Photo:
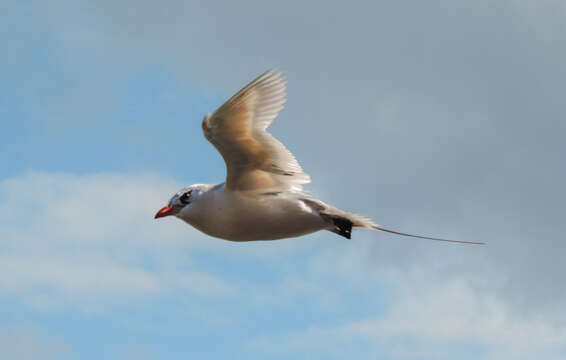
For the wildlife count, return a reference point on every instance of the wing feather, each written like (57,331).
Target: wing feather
(254,159)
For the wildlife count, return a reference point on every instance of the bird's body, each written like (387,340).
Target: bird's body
(249,215)
(262,198)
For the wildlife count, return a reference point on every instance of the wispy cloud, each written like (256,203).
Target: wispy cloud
(89,241)
(424,317)
(80,237)
(27,343)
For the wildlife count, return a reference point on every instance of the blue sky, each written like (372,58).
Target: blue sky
(444,118)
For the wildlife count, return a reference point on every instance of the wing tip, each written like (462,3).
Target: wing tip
(272,73)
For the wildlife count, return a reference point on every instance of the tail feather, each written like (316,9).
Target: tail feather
(343,222)
(426,237)
(364,222)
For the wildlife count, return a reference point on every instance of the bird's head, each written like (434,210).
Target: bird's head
(181,200)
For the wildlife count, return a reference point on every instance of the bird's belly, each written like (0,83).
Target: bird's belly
(261,227)
(250,220)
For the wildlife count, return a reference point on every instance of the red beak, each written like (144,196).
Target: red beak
(167,211)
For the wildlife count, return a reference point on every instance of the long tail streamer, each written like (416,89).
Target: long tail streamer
(427,238)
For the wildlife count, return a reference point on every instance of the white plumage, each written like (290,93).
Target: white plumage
(262,197)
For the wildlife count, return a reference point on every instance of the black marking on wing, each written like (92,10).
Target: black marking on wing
(342,226)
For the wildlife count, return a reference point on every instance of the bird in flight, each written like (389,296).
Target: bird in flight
(262,197)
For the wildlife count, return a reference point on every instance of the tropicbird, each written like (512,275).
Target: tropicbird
(262,197)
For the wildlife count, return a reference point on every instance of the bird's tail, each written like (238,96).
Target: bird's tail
(364,222)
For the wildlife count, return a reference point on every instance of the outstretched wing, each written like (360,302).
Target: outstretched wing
(255,160)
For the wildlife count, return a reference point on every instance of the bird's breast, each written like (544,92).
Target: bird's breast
(238,216)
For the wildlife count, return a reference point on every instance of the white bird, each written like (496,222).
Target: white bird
(262,198)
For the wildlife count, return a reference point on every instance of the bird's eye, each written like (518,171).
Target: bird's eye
(185,197)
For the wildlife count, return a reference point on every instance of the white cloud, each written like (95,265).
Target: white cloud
(90,241)
(26,343)
(424,318)
(74,238)
(454,311)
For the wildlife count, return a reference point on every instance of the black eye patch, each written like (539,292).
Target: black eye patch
(184,199)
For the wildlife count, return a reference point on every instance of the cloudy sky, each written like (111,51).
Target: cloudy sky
(443,118)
